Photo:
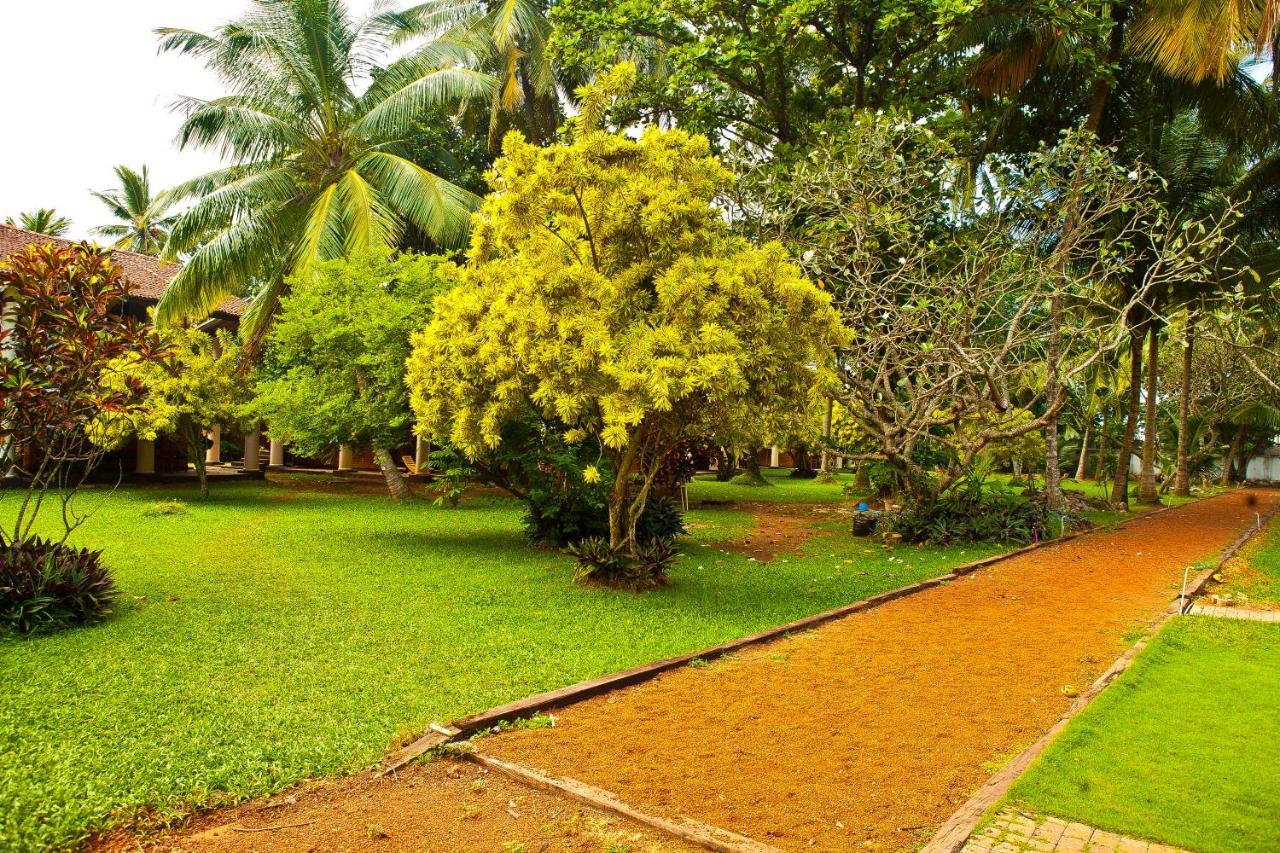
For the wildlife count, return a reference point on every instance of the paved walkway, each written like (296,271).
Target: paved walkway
(868,733)
(1014,832)
(1236,613)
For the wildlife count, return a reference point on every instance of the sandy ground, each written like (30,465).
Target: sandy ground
(445,805)
(869,732)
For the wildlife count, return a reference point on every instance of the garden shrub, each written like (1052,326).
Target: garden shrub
(645,568)
(972,513)
(46,585)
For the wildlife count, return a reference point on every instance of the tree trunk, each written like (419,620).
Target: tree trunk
(824,465)
(1115,51)
(1182,482)
(1121,492)
(396,485)
(1052,464)
(1084,450)
(196,449)
(724,465)
(1147,492)
(751,475)
(1232,451)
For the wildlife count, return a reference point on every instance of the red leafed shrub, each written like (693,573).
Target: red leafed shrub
(61,327)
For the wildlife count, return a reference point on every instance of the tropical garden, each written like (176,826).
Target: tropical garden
(985,274)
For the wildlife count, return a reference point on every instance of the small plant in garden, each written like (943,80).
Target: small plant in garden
(169,507)
(640,567)
(46,585)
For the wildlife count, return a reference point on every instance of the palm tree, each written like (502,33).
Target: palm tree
(314,132)
(1201,41)
(43,221)
(507,38)
(143,224)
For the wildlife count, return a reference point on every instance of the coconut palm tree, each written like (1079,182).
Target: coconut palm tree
(144,222)
(42,221)
(314,131)
(507,38)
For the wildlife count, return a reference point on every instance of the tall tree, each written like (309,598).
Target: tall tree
(143,219)
(319,168)
(510,40)
(44,220)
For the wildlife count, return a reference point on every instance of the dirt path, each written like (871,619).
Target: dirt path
(778,529)
(446,805)
(869,732)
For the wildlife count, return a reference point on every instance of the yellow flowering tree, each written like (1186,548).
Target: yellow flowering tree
(603,290)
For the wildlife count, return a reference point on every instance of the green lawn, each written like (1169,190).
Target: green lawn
(1183,749)
(1259,582)
(782,488)
(272,634)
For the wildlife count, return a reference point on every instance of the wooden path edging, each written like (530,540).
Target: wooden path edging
(953,834)
(439,735)
(686,829)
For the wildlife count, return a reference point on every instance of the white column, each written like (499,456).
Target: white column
(775,457)
(345,460)
(251,447)
(276,459)
(145,457)
(214,454)
(422,455)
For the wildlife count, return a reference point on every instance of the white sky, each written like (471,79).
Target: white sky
(85,91)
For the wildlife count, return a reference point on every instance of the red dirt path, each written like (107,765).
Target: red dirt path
(867,733)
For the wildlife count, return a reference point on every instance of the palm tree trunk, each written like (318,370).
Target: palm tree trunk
(1115,51)
(1121,492)
(1147,492)
(1052,464)
(396,485)
(1084,450)
(1182,482)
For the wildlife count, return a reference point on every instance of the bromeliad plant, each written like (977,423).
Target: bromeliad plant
(61,333)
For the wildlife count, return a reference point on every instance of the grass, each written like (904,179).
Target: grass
(782,488)
(1255,578)
(1183,749)
(273,633)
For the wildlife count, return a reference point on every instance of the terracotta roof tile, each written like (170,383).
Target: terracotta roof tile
(148,277)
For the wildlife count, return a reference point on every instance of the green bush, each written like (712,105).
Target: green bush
(47,585)
(972,513)
(600,564)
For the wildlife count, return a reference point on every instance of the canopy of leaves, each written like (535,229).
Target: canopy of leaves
(334,368)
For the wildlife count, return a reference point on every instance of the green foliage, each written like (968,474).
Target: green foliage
(971,512)
(319,167)
(640,567)
(760,71)
(142,219)
(47,585)
(44,220)
(335,358)
(604,292)
(57,367)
